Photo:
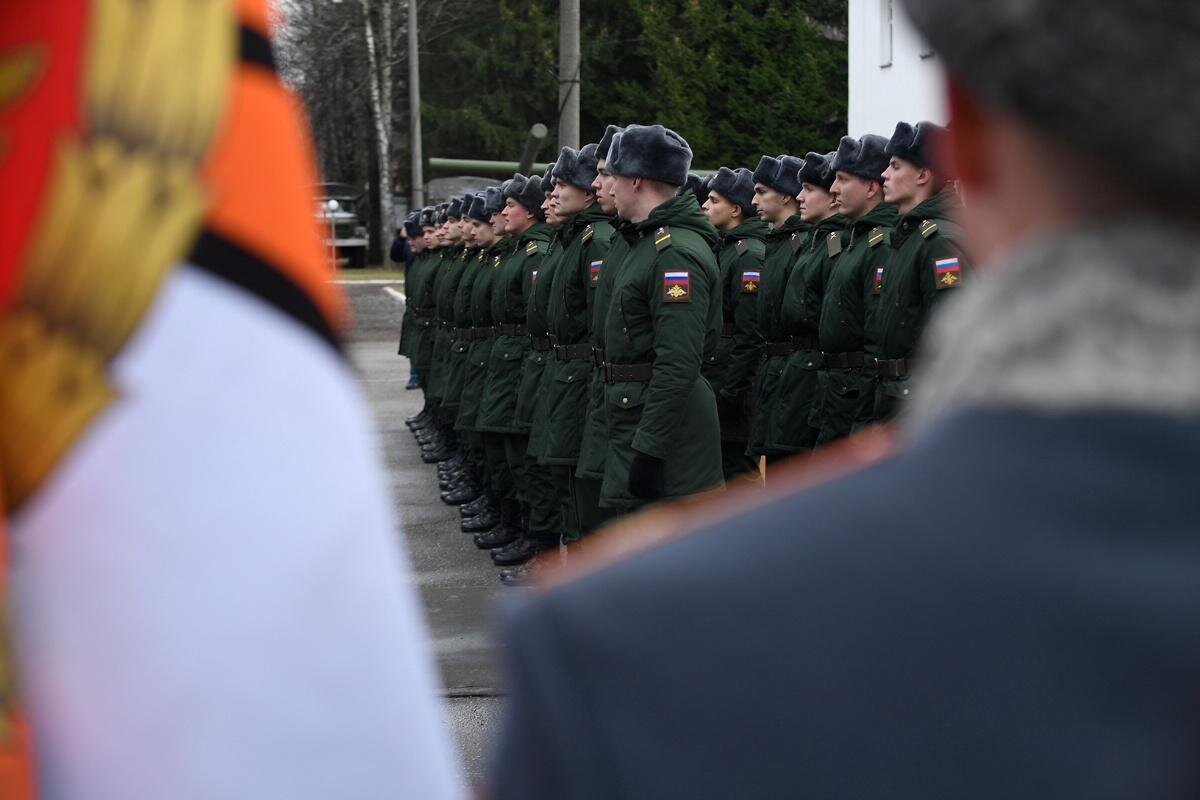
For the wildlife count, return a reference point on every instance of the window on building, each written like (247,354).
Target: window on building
(885,33)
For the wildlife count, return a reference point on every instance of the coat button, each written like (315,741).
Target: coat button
(624,401)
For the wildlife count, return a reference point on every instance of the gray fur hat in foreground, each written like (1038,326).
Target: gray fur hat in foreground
(866,157)
(576,167)
(816,170)
(920,144)
(527,192)
(605,143)
(1113,79)
(650,151)
(779,174)
(736,186)
(454,210)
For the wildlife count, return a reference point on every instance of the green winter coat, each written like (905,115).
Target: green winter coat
(418,288)
(588,236)
(730,371)
(480,351)
(847,394)
(593,449)
(539,363)
(510,302)
(789,429)
(783,249)
(926,260)
(445,287)
(460,345)
(665,310)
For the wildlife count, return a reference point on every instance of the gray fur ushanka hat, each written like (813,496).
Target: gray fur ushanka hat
(650,151)
(736,186)
(576,167)
(919,144)
(527,192)
(866,157)
(779,174)
(816,170)
(605,143)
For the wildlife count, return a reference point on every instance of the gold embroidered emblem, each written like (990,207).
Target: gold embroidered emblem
(949,279)
(124,202)
(676,291)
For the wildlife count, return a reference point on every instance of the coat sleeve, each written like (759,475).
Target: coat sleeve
(680,328)
(747,338)
(935,249)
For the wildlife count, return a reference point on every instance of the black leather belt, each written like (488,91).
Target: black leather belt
(634,373)
(775,349)
(513,329)
(483,333)
(464,334)
(568,352)
(444,325)
(727,329)
(893,367)
(805,341)
(598,356)
(539,344)
(842,360)
(424,312)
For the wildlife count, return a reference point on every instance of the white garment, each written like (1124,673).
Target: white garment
(210,597)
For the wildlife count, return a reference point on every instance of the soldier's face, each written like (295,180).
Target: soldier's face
(453,232)
(603,188)
(624,194)
(569,199)
(904,183)
(816,204)
(773,206)
(721,213)
(497,221)
(481,233)
(855,194)
(548,209)
(516,217)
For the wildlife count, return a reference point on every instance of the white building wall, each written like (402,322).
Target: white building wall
(907,85)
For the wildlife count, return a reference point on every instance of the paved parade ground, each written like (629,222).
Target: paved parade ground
(458,584)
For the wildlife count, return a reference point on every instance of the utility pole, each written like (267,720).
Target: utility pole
(568,73)
(414,107)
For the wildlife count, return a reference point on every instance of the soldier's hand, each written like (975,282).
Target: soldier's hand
(647,477)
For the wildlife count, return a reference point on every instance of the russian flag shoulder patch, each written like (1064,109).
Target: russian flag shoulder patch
(947,272)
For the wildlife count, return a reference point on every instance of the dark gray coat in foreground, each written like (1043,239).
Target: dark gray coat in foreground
(1011,609)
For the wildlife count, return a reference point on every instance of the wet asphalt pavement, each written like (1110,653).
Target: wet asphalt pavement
(461,593)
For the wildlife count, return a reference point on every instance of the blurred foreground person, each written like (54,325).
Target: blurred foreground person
(1006,606)
(205,591)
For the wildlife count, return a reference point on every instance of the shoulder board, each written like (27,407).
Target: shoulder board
(662,238)
(531,248)
(875,237)
(589,232)
(833,243)
(482,256)
(928,228)
(797,241)
(741,247)
(496,260)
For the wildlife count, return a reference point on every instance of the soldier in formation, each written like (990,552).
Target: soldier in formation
(620,331)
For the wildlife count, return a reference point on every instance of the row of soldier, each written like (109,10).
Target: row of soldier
(620,332)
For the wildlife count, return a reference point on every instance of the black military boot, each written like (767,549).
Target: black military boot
(509,529)
(464,491)
(519,551)
(484,521)
(417,420)
(477,506)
